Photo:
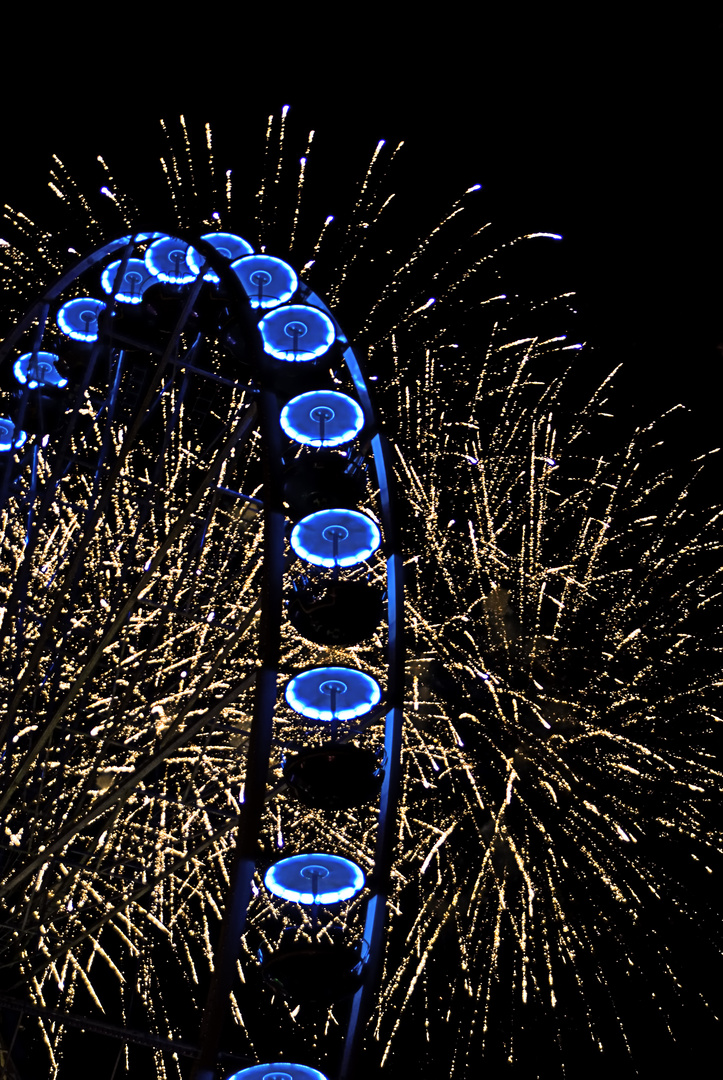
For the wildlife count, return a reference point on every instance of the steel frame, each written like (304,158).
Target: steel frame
(247,824)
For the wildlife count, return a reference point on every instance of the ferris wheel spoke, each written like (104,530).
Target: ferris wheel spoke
(210,479)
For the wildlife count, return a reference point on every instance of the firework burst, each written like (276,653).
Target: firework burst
(557,814)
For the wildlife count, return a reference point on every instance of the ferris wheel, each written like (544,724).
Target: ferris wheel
(202,660)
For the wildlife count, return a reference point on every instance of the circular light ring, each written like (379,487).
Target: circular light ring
(226,244)
(10,439)
(297,333)
(79,318)
(38,369)
(166,260)
(314,878)
(338,416)
(278,1070)
(332,693)
(335,538)
(132,285)
(267,281)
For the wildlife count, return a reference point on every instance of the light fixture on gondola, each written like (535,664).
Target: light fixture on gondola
(315,878)
(297,333)
(41,401)
(228,245)
(322,418)
(10,437)
(78,318)
(278,1070)
(267,281)
(165,259)
(132,284)
(335,537)
(332,693)
(36,369)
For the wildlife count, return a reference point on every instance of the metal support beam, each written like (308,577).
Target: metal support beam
(113,1031)
(259,747)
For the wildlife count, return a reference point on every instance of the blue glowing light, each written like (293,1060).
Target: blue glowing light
(132,285)
(267,281)
(335,538)
(333,693)
(10,439)
(278,1070)
(296,333)
(314,878)
(79,318)
(226,244)
(322,418)
(38,369)
(166,260)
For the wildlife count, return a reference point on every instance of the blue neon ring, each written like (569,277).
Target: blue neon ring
(278,1070)
(10,439)
(312,537)
(134,282)
(297,333)
(300,424)
(227,244)
(290,878)
(166,260)
(267,281)
(309,693)
(78,319)
(44,373)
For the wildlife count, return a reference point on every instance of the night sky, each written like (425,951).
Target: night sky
(601,129)
(605,132)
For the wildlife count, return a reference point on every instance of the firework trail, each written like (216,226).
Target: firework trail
(565,699)
(561,730)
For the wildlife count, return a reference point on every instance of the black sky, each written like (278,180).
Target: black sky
(604,130)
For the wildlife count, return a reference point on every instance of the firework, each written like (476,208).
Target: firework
(562,730)
(557,813)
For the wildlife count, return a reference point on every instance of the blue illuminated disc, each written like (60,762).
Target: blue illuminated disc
(226,244)
(333,693)
(38,369)
(297,333)
(278,1070)
(335,538)
(322,418)
(314,879)
(135,281)
(79,318)
(166,260)
(10,438)
(267,281)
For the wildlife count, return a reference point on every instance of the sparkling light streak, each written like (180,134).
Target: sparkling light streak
(563,693)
